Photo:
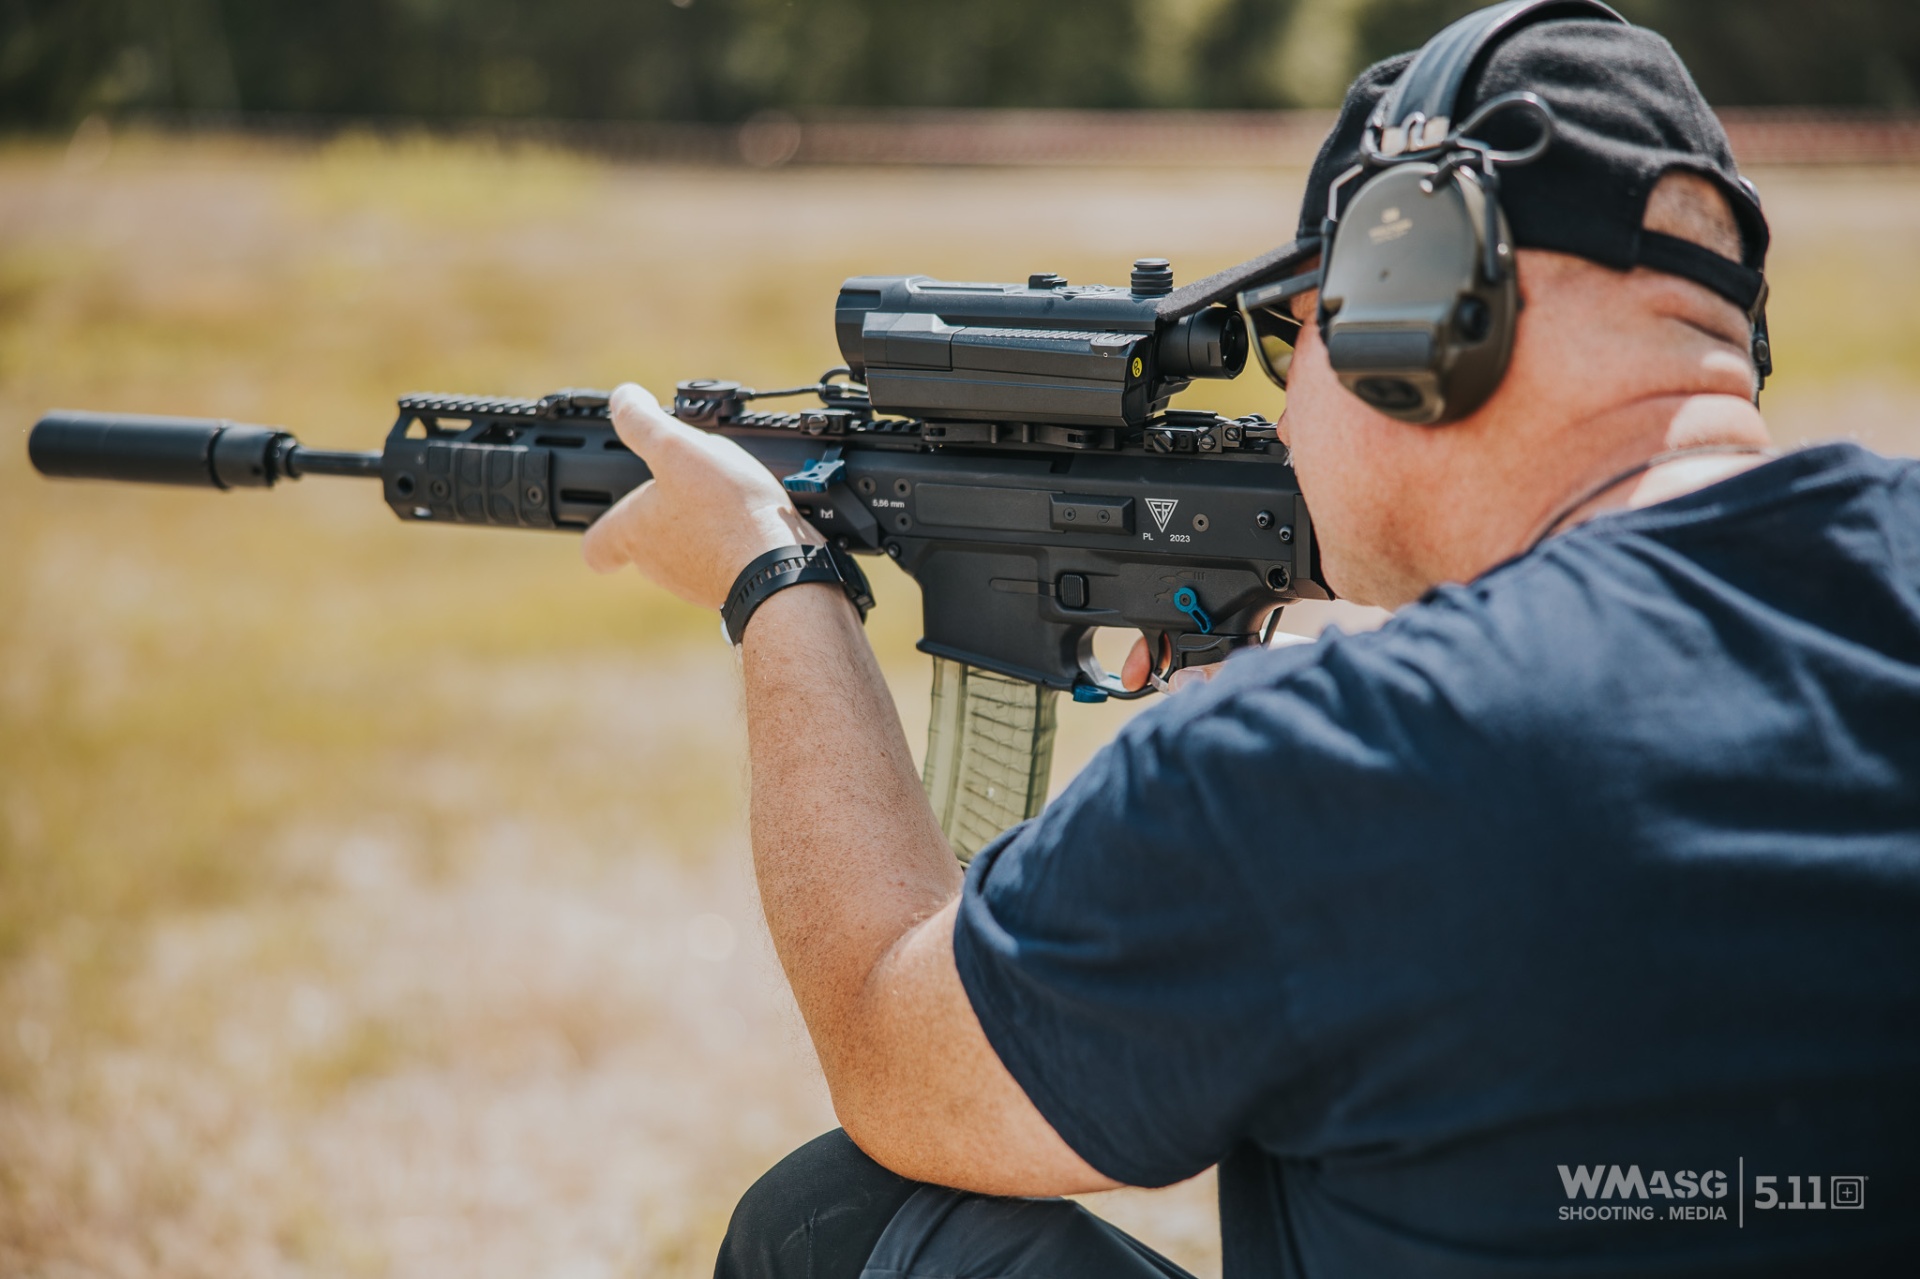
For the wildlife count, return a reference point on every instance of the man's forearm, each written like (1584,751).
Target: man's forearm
(846,850)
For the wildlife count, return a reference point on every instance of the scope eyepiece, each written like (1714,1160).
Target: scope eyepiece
(1210,344)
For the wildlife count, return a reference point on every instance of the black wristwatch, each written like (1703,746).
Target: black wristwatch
(789,566)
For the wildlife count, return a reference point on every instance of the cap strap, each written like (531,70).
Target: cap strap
(1741,285)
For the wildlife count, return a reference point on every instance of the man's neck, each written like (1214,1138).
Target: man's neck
(1540,481)
(1700,431)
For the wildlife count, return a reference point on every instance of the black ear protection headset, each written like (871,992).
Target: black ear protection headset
(1418,292)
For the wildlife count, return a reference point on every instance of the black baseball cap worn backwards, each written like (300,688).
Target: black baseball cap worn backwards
(1625,112)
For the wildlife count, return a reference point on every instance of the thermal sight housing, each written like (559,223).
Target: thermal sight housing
(1071,360)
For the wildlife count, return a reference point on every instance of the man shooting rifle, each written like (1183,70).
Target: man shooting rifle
(1548,929)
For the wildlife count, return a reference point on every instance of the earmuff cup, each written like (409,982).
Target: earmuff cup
(1413,326)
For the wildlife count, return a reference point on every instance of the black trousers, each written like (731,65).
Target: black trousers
(827,1211)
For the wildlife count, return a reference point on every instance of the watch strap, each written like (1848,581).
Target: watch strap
(773,572)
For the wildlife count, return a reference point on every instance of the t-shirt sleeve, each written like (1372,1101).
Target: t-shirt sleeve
(1118,951)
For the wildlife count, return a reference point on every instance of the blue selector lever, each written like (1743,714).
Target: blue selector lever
(1187,602)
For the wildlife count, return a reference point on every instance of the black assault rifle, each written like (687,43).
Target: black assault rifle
(1011,447)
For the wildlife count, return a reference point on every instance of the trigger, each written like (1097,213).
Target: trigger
(1159,669)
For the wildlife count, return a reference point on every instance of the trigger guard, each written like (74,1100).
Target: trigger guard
(1096,676)
(1168,655)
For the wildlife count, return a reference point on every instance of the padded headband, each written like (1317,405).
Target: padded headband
(1430,88)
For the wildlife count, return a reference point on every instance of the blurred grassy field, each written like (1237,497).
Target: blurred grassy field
(373,898)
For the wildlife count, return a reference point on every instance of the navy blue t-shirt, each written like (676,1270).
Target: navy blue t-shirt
(1568,924)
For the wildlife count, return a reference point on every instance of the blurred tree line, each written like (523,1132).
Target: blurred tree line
(721,60)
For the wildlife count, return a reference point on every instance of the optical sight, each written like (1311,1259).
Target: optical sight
(1086,355)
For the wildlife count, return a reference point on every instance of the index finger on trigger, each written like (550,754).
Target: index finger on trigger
(1138,666)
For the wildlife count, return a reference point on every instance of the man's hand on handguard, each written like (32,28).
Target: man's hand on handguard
(859,886)
(708,512)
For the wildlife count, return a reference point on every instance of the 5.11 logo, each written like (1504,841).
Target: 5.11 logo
(1841,1192)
